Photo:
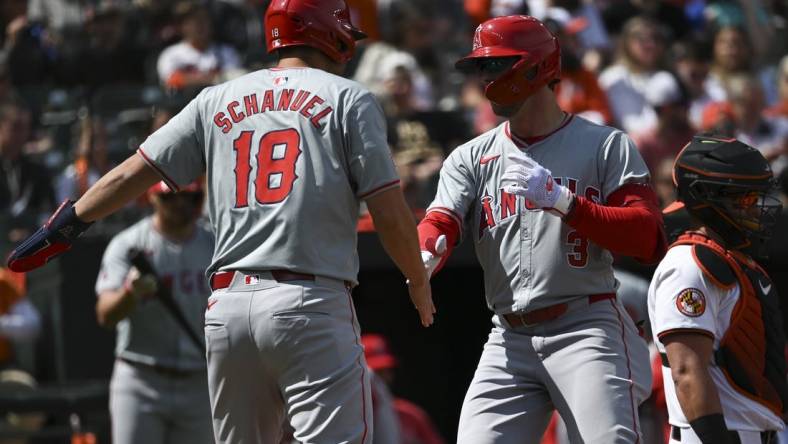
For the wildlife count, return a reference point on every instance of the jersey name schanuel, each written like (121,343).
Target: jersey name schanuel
(283,151)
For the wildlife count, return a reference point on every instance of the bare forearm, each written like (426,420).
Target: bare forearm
(396,227)
(114,306)
(119,186)
(697,393)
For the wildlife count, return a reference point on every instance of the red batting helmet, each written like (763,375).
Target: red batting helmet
(321,24)
(535,50)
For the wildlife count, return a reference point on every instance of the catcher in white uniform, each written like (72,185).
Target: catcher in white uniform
(713,309)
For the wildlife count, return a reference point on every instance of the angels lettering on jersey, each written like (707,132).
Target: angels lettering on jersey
(500,208)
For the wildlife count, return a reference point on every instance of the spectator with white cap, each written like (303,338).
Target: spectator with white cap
(673,129)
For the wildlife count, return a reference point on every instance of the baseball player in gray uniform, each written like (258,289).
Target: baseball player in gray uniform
(546,197)
(158,392)
(288,154)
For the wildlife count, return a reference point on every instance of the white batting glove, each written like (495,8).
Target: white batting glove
(140,285)
(434,254)
(525,177)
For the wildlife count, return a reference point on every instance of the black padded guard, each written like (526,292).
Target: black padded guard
(711,263)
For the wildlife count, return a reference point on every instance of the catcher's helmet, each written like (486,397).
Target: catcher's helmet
(531,50)
(321,24)
(729,187)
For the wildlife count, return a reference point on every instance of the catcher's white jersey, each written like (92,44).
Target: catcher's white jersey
(530,258)
(289,154)
(682,297)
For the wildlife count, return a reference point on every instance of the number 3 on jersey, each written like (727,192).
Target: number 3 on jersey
(276,159)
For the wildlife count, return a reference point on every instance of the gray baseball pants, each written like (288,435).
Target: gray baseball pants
(589,364)
(286,351)
(152,408)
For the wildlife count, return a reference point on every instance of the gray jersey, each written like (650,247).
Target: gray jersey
(288,154)
(149,334)
(530,258)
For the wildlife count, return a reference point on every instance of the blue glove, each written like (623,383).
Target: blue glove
(51,240)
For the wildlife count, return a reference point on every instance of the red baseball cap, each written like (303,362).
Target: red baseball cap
(377,353)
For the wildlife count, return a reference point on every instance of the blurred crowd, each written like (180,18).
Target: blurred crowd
(83,82)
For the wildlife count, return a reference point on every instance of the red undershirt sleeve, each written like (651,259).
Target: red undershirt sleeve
(629,225)
(431,227)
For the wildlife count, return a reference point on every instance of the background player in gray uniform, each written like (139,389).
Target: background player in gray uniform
(158,392)
(715,313)
(288,153)
(560,338)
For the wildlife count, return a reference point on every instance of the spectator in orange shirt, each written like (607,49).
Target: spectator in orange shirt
(718,118)
(579,91)
(196,61)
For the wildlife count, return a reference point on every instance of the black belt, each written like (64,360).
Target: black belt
(169,372)
(768,437)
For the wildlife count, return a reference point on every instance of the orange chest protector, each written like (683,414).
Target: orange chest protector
(752,351)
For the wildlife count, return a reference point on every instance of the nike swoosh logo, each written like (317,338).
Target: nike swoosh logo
(486,159)
(211,304)
(765,289)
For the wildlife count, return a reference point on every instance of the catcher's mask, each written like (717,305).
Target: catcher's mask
(729,187)
(519,52)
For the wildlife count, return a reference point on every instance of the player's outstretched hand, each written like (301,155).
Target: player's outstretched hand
(435,249)
(421,296)
(525,177)
(50,241)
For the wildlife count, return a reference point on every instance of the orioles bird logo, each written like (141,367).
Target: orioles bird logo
(691,302)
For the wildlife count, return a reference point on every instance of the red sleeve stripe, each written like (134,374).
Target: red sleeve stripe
(383,187)
(449,212)
(632,408)
(170,183)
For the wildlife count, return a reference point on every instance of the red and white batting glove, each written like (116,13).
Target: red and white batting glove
(525,177)
(140,286)
(435,249)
